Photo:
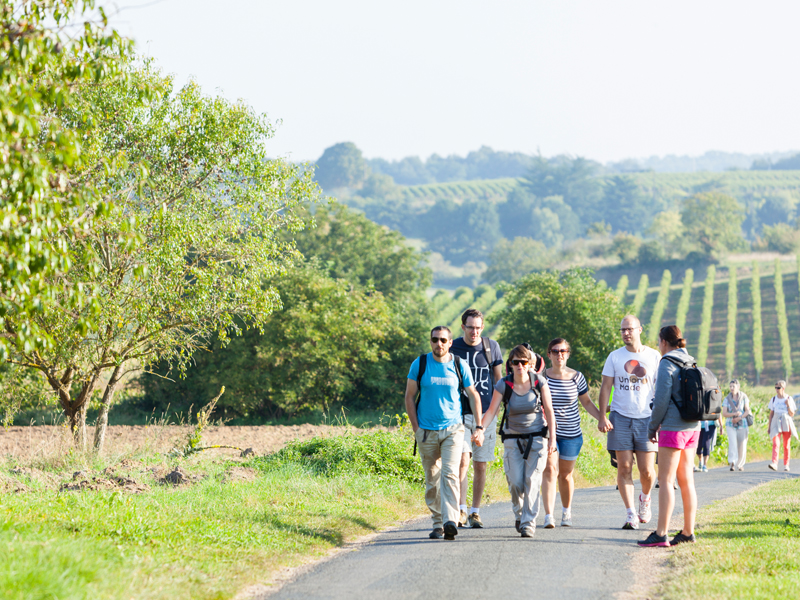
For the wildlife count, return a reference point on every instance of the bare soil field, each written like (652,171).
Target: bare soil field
(29,441)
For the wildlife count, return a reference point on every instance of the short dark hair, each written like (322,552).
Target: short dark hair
(442,328)
(520,351)
(672,335)
(471,312)
(556,342)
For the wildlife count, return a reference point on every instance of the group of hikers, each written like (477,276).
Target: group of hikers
(454,395)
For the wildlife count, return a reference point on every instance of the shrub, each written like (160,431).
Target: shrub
(641,294)
(660,306)
(685,300)
(730,340)
(758,338)
(707,314)
(622,286)
(783,324)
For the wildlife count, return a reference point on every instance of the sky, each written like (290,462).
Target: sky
(606,80)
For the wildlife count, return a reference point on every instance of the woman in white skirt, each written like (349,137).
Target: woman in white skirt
(735,409)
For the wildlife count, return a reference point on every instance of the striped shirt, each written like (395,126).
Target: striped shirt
(564,393)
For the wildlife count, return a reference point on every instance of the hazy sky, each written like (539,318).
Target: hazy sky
(607,79)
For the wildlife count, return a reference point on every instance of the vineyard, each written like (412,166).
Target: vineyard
(660,185)
(740,320)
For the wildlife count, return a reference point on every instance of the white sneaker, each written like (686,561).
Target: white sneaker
(644,510)
(632,522)
(566,519)
(786,467)
(549,522)
(773,466)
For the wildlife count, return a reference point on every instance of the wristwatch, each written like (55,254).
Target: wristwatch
(478,426)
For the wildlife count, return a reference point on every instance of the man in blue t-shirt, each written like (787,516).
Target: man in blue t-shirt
(439,429)
(484,359)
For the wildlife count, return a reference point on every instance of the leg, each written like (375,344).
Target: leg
(775,443)
(513,465)
(647,470)
(549,483)
(478,482)
(668,459)
(624,478)
(432,464)
(733,446)
(688,493)
(566,484)
(742,446)
(787,440)
(482,456)
(451,441)
(463,477)
(534,467)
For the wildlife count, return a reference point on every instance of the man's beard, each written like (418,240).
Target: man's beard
(439,351)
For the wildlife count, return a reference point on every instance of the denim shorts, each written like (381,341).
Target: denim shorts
(569,448)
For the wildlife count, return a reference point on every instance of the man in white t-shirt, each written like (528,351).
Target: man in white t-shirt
(631,372)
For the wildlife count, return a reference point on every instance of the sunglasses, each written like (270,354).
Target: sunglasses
(435,340)
(559,351)
(778,387)
(524,363)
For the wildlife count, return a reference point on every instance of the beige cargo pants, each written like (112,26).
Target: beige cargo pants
(440,452)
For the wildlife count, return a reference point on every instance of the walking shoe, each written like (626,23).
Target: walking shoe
(696,470)
(741,468)
(566,520)
(527,532)
(475,521)
(436,534)
(786,467)
(549,522)
(450,530)
(682,539)
(705,468)
(644,510)
(632,522)
(772,465)
(733,468)
(516,526)
(462,519)
(654,541)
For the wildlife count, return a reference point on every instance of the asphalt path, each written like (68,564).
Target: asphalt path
(589,560)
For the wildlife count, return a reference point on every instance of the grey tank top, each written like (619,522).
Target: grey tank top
(524,411)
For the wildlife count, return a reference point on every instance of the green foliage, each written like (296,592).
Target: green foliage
(730,339)
(783,323)
(713,223)
(461,301)
(511,260)
(547,219)
(622,288)
(47,50)
(706,316)
(758,336)
(570,304)
(685,299)
(571,178)
(440,299)
(21,389)
(660,306)
(781,238)
(624,203)
(461,232)
(626,246)
(386,455)
(641,294)
(341,165)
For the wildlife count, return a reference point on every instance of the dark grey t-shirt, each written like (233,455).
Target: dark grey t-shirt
(481,370)
(525,413)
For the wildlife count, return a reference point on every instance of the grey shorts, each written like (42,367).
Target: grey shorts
(629,434)
(483,453)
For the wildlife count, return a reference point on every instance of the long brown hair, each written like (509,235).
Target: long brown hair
(671,334)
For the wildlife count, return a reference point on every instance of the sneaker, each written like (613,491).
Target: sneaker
(462,519)
(741,468)
(566,520)
(631,523)
(516,526)
(527,532)
(475,521)
(705,469)
(644,510)
(696,470)
(786,467)
(436,534)
(654,541)
(772,465)
(549,522)
(450,530)
(682,539)
(733,468)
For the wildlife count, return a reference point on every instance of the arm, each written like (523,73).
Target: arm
(589,406)
(475,405)
(603,424)
(411,406)
(547,407)
(662,398)
(494,407)
(789,405)
(497,372)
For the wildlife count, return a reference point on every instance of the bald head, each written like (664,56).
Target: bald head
(631,330)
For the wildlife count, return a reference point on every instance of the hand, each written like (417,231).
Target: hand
(552,447)
(477,437)
(654,438)
(603,424)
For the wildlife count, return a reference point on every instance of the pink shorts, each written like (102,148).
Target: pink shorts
(678,439)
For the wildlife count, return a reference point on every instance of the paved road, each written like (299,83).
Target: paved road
(580,562)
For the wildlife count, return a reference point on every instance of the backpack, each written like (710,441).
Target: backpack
(538,362)
(701,397)
(509,389)
(466,409)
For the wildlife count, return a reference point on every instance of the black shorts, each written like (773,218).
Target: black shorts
(706,439)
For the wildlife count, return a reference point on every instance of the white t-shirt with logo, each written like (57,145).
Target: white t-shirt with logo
(634,376)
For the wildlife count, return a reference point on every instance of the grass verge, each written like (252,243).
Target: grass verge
(748,546)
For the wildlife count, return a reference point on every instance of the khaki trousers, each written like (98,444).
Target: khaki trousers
(524,478)
(440,452)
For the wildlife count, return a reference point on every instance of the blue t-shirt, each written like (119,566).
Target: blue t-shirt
(439,404)
(481,370)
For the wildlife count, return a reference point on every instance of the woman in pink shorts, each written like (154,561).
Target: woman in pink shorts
(677,441)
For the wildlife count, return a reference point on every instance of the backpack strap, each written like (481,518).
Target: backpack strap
(466,409)
(509,389)
(487,354)
(423,364)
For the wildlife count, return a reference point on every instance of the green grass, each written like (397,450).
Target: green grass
(706,316)
(685,299)
(730,337)
(641,294)
(747,546)
(783,323)
(758,336)
(660,306)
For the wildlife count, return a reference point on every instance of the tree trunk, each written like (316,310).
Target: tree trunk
(77,425)
(105,405)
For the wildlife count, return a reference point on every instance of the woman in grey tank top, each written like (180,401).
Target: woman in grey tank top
(527,441)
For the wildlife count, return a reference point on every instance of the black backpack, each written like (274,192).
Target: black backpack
(509,389)
(701,397)
(466,409)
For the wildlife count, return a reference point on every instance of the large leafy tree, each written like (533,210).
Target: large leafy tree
(341,166)
(625,207)
(209,208)
(48,48)
(574,179)
(569,304)
(713,223)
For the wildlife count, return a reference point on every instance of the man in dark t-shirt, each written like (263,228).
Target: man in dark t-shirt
(484,359)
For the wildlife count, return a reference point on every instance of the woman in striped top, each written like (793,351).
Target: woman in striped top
(567,387)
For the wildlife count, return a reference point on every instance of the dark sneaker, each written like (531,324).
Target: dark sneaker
(462,519)
(682,539)
(450,530)
(654,541)
(475,521)
(516,526)
(436,534)
(527,532)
